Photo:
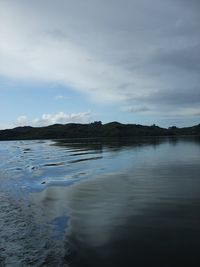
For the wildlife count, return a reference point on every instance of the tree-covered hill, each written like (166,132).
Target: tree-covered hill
(95,129)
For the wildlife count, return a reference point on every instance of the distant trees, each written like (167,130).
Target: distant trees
(172,128)
(96,123)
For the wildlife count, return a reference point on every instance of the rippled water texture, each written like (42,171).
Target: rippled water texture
(99,203)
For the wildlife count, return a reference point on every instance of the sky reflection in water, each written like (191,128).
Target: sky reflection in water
(111,203)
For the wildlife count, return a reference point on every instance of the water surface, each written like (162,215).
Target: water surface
(100,203)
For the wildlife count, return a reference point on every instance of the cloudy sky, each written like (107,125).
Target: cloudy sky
(134,61)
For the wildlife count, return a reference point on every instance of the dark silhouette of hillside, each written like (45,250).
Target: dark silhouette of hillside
(95,129)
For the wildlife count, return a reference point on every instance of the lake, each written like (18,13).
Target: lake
(92,203)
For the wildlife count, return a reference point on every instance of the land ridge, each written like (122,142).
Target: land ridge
(94,129)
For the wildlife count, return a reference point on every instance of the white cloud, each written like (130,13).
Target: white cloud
(22,121)
(61,97)
(48,119)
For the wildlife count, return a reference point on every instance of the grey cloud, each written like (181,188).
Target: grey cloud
(190,96)
(186,58)
(135,109)
(192,4)
(140,53)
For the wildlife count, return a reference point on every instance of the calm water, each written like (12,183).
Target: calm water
(92,203)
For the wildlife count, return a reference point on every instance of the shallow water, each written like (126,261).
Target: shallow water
(100,203)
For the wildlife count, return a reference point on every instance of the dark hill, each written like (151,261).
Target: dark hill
(95,129)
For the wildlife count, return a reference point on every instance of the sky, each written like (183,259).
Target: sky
(132,61)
